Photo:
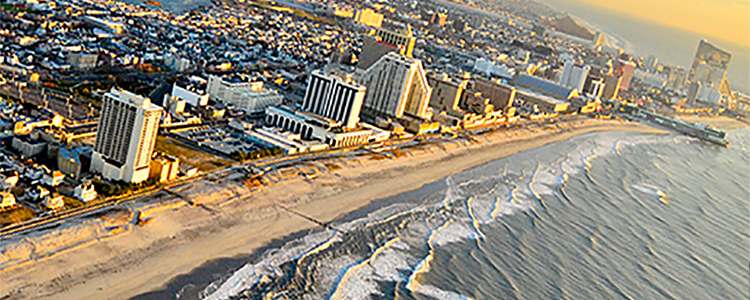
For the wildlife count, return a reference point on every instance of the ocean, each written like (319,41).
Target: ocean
(608,215)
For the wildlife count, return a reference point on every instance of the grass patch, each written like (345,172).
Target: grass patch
(205,162)
(15,215)
(71,203)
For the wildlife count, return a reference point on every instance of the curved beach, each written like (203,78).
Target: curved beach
(234,218)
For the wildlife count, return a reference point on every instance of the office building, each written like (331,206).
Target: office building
(709,65)
(251,97)
(624,68)
(334,96)
(397,85)
(126,136)
(574,75)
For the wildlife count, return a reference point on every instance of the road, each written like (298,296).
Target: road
(266,165)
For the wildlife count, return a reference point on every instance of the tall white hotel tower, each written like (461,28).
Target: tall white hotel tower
(126,136)
(334,96)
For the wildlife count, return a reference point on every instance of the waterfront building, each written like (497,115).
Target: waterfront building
(446,93)
(334,96)
(624,68)
(7,200)
(126,136)
(397,85)
(85,192)
(545,87)
(314,127)
(574,75)
(251,97)
(164,168)
(709,65)
(53,202)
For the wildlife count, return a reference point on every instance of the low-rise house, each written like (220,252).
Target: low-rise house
(37,193)
(85,192)
(8,178)
(7,200)
(53,179)
(54,202)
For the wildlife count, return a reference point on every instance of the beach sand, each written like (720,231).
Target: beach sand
(234,221)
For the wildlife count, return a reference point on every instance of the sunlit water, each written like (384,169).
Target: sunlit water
(602,216)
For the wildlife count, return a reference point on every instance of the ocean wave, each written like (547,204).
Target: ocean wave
(384,246)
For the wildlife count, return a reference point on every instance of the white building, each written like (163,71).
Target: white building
(54,178)
(193,91)
(574,75)
(251,97)
(335,97)
(85,192)
(126,136)
(53,203)
(7,200)
(396,85)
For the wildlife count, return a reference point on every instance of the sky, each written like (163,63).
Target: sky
(727,20)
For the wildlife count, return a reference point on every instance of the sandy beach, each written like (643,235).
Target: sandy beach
(234,219)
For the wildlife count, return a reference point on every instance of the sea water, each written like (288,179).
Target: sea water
(607,215)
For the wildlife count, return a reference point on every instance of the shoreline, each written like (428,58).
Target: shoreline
(180,240)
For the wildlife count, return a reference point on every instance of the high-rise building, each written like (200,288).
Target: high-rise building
(334,96)
(446,93)
(396,84)
(126,136)
(677,76)
(709,65)
(611,87)
(650,63)
(624,68)
(574,75)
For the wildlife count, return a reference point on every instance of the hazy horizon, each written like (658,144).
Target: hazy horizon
(670,43)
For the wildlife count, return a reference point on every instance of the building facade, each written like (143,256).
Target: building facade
(709,65)
(624,68)
(396,85)
(574,75)
(336,97)
(126,136)
(251,97)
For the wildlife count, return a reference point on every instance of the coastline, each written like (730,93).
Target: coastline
(237,221)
